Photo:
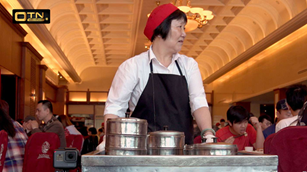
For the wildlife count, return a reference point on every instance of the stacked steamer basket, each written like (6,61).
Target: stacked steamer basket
(126,136)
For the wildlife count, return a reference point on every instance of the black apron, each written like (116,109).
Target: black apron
(165,101)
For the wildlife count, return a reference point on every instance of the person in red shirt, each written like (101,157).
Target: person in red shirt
(239,132)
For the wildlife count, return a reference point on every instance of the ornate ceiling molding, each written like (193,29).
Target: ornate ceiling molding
(284,30)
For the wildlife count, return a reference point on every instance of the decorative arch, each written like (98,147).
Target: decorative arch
(220,52)
(227,48)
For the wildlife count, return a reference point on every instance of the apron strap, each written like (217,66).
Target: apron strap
(151,68)
(153,94)
(178,67)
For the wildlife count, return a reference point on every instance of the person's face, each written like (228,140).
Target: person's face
(176,35)
(265,124)
(223,124)
(283,114)
(26,125)
(239,128)
(41,111)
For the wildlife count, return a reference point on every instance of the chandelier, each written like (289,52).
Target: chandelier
(197,17)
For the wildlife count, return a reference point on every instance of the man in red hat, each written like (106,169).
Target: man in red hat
(160,85)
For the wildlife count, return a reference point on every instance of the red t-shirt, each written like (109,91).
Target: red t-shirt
(224,133)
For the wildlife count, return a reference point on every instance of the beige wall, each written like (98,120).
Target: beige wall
(255,109)
(60,105)
(50,92)
(278,68)
(81,109)
(57,95)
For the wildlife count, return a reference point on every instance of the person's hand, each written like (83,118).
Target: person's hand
(27,126)
(209,138)
(255,122)
(230,140)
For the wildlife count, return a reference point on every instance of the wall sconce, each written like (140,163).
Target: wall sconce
(32,95)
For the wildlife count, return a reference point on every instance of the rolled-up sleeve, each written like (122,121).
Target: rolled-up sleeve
(122,86)
(197,93)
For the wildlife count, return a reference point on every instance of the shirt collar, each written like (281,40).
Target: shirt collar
(152,55)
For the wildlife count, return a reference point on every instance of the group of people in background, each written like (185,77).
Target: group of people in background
(18,134)
(244,129)
(241,127)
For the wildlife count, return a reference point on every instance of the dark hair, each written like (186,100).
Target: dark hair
(64,119)
(164,28)
(47,104)
(267,117)
(250,114)
(222,120)
(83,131)
(6,122)
(4,106)
(237,114)
(93,130)
(296,96)
(100,130)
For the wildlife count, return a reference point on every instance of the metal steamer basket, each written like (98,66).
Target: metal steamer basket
(215,149)
(126,136)
(165,143)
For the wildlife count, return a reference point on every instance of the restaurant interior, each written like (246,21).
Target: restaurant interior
(248,53)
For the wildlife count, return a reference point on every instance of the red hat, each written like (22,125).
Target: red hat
(157,16)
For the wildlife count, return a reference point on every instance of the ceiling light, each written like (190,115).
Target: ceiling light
(197,17)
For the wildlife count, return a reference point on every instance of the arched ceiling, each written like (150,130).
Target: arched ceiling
(104,33)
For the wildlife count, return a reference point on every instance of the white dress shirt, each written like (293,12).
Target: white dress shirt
(285,123)
(132,76)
